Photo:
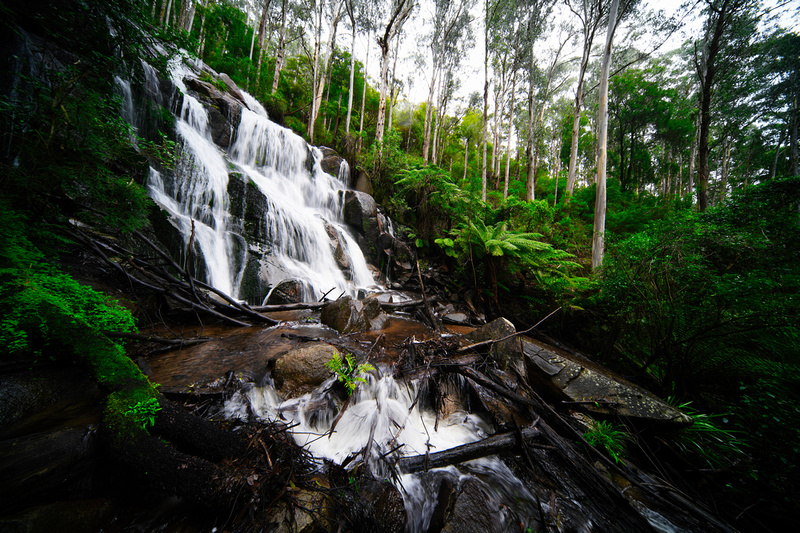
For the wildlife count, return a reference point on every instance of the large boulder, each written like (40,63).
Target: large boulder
(348,315)
(303,369)
(568,378)
(508,353)
(288,291)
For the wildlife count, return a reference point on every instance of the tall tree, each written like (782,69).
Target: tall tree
(395,17)
(450,25)
(591,14)
(598,239)
(728,24)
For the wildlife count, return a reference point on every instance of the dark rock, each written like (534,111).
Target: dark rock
(385,502)
(345,315)
(231,85)
(288,291)
(476,510)
(331,161)
(507,354)
(359,209)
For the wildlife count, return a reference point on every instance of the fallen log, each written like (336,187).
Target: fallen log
(467,452)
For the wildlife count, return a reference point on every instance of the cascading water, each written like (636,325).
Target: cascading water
(383,420)
(303,204)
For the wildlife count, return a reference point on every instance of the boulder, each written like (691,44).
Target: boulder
(347,315)
(288,291)
(303,369)
(592,388)
(475,509)
(331,161)
(360,210)
(385,501)
(232,87)
(507,354)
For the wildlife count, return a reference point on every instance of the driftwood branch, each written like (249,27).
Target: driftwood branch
(467,452)
(490,342)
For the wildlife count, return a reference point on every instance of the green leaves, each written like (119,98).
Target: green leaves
(347,372)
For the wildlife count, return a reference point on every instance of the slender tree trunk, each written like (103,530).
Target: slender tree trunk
(364,95)
(794,168)
(279,54)
(426,140)
(391,91)
(466,159)
(598,239)
(352,79)
(777,155)
(572,173)
(485,121)
(510,133)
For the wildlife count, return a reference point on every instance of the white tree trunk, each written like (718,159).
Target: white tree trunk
(598,238)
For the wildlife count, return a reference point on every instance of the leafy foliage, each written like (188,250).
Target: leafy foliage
(610,437)
(347,372)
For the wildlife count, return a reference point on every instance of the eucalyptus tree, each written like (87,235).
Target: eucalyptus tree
(599,227)
(551,84)
(395,14)
(591,14)
(451,26)
(320,60)
(727,30)
(780,99)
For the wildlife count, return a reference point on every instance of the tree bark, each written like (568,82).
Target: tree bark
(598,239)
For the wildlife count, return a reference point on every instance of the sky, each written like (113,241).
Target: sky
(415,80)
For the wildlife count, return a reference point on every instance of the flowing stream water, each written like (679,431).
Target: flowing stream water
(303,203)
(382,421)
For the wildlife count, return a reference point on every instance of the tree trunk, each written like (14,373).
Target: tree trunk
(510,133)
(426,141)
(466,158)
(352,79)
(598,244)
(364,95)
(572,173)
(706,69)
(276,77)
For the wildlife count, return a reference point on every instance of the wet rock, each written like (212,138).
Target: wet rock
(232,87)
(359,209)
(362,182)
(224,110)
(507,354)
(347,315)
(331,161)
(386,502)
(288,291)
(303,369)
(342,259)
(594,389)
(460,319)
(476,510)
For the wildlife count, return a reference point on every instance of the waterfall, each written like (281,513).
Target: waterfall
(302,205)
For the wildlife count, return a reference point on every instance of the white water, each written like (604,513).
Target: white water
(301,202)
(382,422)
